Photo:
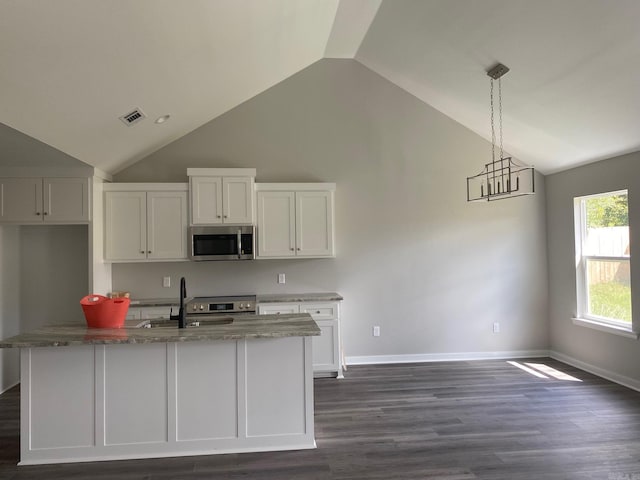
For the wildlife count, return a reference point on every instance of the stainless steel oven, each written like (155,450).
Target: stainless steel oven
(222,242)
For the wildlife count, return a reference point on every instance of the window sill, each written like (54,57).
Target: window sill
(606,327)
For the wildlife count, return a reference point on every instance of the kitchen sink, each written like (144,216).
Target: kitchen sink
(192,321)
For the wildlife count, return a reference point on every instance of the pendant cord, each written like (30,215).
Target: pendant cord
(500,114)
(493,128)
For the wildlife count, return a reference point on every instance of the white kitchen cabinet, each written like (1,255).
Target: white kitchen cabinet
(63,200)
(295,220)
(146,313)
(124,401)
(145,225)
(327,359)
(221,195)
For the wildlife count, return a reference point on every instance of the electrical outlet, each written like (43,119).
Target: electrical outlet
(166,282)
(376,331)
(281,278)
(496,327)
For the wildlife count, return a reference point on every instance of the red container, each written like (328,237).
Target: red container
(103,312)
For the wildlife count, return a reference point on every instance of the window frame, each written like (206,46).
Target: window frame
(582,292)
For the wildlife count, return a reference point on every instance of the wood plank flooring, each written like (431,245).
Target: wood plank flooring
(447,421)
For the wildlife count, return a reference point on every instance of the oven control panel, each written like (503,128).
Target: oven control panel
(211,305)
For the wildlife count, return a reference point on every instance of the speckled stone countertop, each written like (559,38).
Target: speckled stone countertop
(267,298)
(243,326)
(299,297)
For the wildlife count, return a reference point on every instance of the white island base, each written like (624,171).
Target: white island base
(122,401)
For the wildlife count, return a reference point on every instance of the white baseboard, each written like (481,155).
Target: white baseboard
(631,383)
(443,357)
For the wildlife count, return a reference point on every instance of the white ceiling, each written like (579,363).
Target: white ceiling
(70,68)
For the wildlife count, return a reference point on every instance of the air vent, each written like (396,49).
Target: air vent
(132,117)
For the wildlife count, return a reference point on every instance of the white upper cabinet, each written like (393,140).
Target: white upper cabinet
(276,224)
(51,200)
(145,225)
(314,224)
(295,220)
(221,195)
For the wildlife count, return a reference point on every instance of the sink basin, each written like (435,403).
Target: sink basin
(192,322)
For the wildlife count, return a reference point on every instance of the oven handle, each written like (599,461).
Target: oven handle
(239,243)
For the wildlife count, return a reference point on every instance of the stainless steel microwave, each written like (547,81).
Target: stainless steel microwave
(222,242)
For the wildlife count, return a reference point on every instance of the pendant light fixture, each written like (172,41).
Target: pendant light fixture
(502,177)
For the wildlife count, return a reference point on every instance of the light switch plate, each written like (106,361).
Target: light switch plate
(281,278)
(166,281)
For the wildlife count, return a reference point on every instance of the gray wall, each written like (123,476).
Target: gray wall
(53,274)
(611,355)
(412,256)
(9,302)
(43,268)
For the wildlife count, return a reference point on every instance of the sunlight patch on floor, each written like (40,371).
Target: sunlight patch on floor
(541,370)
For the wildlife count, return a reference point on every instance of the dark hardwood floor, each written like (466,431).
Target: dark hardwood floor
(448,421)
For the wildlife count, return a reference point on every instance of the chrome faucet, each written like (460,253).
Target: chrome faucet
(181,316)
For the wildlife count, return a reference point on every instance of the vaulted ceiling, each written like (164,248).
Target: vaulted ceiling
(70,68)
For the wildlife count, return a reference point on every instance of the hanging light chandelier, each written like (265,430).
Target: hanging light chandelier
(502,177)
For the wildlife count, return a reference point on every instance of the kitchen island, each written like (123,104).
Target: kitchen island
(107,394)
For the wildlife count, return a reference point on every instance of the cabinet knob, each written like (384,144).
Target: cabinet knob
(38,213)
(226,216)
(292,249)
(317,311)
(148,251)
(46,213)
(141,251)
(298,248)
(217,216)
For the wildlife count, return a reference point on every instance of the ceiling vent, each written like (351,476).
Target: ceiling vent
(133,117)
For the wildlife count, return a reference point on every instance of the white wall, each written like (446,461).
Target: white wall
(412,255)
(611,355)
(9,303)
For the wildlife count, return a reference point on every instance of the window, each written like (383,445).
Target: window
(602,258)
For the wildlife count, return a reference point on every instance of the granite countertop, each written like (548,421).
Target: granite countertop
(299,297)
(243,326)
(266,298)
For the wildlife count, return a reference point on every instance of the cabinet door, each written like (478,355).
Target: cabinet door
(276,224)
(21,199)
(147,313)
(314,224)
(206,200)
(325,347)
(278,308)
(237,201)
(133,314)
(167,225)
(125,225)
(66,200)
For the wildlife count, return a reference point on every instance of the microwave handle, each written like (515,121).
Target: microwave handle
(239,243)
